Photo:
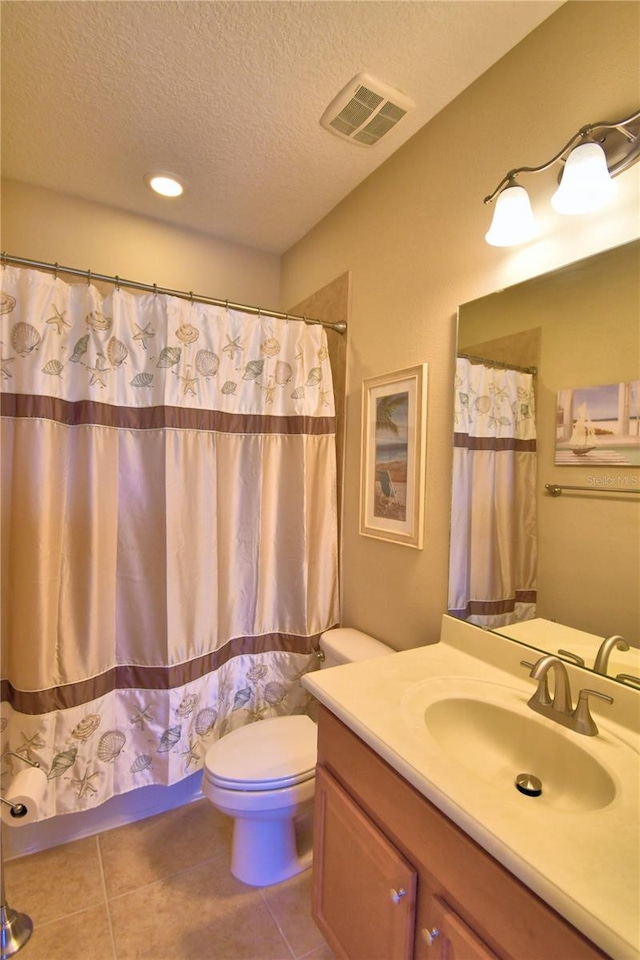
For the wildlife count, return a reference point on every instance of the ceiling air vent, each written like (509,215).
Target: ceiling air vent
(365,111)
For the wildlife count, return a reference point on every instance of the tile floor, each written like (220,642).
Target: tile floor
(159,889)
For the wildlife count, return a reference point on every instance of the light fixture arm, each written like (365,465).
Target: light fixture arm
(621,125)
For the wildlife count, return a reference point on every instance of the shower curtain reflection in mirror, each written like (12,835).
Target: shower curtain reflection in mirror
(493,550)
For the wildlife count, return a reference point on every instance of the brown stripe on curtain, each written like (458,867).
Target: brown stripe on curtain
(136,677)
(493,443)
(84,412)
(494,607)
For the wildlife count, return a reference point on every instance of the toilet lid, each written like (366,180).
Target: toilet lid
(268,754)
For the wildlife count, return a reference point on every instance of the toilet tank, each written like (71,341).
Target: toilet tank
(346,645)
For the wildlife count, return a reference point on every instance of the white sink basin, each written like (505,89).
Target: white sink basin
(489,731)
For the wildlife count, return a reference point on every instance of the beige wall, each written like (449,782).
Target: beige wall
(412,237)
(42,225)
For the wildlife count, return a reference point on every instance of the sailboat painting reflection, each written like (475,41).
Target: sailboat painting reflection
(599,425)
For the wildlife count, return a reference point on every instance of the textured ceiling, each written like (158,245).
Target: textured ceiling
(228,95)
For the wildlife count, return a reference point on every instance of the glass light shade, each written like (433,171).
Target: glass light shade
(586,184)
(164,184)
(513,221)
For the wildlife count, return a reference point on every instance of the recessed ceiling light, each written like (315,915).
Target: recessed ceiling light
(164,183)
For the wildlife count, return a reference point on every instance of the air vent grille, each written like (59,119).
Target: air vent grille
(365,110)
(353,116)
(393,112)
(368,97)
(377,127)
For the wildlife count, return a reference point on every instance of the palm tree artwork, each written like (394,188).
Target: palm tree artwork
(390,499)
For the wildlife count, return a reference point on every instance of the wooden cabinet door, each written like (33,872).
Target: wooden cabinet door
(447,937)
(364,891)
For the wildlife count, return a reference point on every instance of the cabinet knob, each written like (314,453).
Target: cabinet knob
(431,936)
(397,895)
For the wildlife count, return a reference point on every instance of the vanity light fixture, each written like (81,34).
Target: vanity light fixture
(591,158)
(513,221)
(166,184)
(586,183)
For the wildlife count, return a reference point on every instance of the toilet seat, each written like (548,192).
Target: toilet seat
(266,755)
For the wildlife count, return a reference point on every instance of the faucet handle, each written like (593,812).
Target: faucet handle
(584,722)
(572,656)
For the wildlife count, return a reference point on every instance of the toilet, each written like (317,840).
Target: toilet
(263,775)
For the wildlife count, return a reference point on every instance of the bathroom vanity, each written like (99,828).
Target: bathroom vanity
(406,871)
(424,849)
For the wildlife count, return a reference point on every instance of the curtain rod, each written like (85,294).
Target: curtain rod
(499,363)
(340,326)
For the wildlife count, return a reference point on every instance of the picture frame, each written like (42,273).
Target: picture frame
(393,456)
(598,425)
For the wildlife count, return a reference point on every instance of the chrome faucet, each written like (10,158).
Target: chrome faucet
(602,657)
(560,707)
(561,702)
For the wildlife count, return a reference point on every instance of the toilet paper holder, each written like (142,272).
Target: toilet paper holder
(17,809)
(16,927)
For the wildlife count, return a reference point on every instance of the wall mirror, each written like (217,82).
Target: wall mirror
(579,327)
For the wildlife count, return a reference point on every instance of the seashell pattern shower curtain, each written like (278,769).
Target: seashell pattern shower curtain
(493,549)
(169,544)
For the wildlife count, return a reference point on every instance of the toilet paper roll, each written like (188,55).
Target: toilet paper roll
(27,789)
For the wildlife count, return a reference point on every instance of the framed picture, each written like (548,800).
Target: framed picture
(392,467)
(599,426)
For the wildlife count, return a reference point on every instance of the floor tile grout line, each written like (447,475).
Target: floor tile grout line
(313,952)
(160,878)
(278,927)
(67,916)
(106,898)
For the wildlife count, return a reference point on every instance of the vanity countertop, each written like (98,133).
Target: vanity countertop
(582,862)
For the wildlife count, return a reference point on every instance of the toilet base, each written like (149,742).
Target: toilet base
(277,842)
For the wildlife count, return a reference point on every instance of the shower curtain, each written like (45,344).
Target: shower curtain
(493,551)
(169,545)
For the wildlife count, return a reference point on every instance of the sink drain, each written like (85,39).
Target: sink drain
(529,785)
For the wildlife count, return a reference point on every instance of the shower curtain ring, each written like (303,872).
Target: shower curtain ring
(226,305)
(3,259)
(155,289)
(55,272)
(117,278)
(88,278)
(191,297)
